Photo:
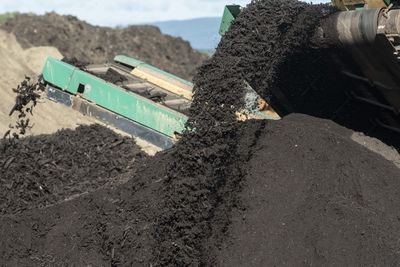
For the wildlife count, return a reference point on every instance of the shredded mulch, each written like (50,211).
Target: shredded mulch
(43,170)
(27,95)
(292,192)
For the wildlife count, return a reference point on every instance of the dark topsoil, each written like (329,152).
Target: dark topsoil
(312,197)
(42,170)
(308,196)
(291,192)
(75,38)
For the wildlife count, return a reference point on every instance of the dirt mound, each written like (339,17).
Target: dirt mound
(48,116)
(264,47)
(180,206)
(110,227)
(312,196)
(45,169)
(331,200)
(200,190)
(75,38)
(17,63)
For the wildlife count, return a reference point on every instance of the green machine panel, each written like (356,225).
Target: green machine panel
(230,14)
(114,98)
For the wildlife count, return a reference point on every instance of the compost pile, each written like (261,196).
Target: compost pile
(293,192)
(319,199)
(42,170)
(75,38)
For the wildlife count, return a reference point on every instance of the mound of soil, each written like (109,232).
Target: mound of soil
(321,201)
(18,63)
(110,227)
(312,196)
(75,38)
(181,206)
(42,170)
(200,190)
(264,47)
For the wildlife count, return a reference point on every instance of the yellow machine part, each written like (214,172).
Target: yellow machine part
(164,82)
(352,4)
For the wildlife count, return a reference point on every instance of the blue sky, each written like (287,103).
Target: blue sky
(123,12)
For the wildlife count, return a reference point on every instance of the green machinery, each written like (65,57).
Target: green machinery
(147,102)
(230,13)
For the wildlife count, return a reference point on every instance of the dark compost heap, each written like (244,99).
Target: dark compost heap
(292,192)
(75,38)
(319,199)
(42,170)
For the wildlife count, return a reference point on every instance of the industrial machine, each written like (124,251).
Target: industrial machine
(146,102)
(369,32)
(142,101)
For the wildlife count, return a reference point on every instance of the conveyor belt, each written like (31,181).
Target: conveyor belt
(144,88)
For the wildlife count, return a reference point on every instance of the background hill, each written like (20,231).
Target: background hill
(202,33)
(79,39)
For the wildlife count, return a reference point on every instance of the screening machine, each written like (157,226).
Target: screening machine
(144,101)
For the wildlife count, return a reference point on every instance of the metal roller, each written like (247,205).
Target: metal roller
(360,27)
(352,27)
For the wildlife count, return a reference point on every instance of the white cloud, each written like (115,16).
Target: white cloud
(123,12)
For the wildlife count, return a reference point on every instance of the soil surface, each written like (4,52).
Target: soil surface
(109,227)
(264,47)
(202,183)
(42,170)
(232,193)
(75,38)
(313,197)
(320,200)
